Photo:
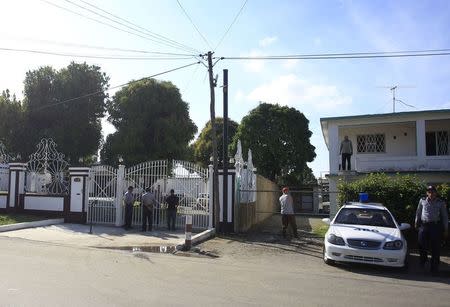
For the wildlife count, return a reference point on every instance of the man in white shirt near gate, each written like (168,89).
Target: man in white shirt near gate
(287,212)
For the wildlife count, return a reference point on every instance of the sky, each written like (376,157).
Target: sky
(317,88)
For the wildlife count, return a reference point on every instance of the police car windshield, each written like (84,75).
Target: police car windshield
(368,217)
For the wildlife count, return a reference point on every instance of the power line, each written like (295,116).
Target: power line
(114,87)
(117,28)
(368,55)
(103,48)
(126,26)
(106,57)
(192,22)
(232,23)
(139,27)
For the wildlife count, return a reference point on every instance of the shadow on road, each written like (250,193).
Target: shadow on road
(413,273)
(306,244)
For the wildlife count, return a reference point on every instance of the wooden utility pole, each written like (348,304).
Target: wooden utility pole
(225,151)
(215,196)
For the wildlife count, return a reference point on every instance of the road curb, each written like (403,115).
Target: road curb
(30,224)
(198,238)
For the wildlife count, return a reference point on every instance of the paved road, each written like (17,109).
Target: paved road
(246,273)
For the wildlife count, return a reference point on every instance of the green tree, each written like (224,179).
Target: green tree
(75,125)
(152,122)
(11,122)
(202,147)
(279,138)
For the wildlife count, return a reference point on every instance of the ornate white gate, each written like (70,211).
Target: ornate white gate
(151,174)
(102,194)
(4,168)
(107,186)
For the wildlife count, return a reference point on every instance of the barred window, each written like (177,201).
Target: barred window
(437,143)
(371,143)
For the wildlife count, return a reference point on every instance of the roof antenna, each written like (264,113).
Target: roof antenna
(394,100)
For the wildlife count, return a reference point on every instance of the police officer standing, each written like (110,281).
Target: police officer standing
(148,203)
(129,201)
(431,220)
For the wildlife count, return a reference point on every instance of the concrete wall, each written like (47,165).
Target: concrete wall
(46,203)
(3,200)
(266,205)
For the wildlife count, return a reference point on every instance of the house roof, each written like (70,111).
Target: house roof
(381,118)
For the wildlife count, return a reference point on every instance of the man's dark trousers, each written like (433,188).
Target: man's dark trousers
(171,217)
(346,158)
(147,215)
(430,237)
(128,215)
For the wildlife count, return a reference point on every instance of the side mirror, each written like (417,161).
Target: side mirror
(326,221)
(404,226)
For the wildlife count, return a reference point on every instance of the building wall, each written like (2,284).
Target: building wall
(400,138)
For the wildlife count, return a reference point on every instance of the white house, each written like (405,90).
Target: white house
(404,142)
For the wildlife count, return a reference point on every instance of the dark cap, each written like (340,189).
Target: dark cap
(431,188)
(130,187)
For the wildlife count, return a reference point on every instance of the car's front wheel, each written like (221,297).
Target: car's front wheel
(326,259)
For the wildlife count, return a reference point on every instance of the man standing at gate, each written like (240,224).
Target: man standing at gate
(129,201)
(148,203)
(172,204)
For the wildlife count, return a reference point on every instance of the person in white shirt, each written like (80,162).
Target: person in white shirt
(287,212)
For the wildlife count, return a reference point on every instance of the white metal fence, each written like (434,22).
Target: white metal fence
(102,186)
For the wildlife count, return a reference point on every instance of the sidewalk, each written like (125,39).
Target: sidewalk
(102,236)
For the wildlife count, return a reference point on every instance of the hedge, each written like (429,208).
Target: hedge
(399,193)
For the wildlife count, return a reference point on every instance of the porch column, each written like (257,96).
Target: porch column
(420,143)
(334,143)
(119,195)
(16,184)
(79,195)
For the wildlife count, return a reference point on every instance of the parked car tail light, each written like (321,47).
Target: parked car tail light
(397,244)
(333,239)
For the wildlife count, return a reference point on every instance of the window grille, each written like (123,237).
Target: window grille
(437,143)
(370,143)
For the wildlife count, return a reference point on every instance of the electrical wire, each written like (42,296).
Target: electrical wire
(192,22)
(102,48)
(117,28)
(368,55)
(106,57)
(139,27)
(111,88)
(232,23)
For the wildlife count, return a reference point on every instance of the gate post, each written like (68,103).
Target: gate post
(16,185)
(79,195)
(119,192)
(210,198)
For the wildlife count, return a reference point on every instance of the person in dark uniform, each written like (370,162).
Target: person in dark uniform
(148,203)
(129,201)
(431,221)
(172,204)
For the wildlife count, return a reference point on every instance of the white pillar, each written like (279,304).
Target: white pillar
(79,194)
(119,195)
(16,184)
(420,143)
(334,144)
(210,193)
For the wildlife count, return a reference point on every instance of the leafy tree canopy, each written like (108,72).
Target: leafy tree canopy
(152,122)
(202,147)
(11,121)
(75,124)
(279,138)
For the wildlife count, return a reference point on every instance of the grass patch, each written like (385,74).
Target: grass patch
(320,230)
(7,219)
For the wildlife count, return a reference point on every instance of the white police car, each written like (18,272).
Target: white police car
(365,233)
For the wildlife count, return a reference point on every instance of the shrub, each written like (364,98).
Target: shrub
(399,193)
